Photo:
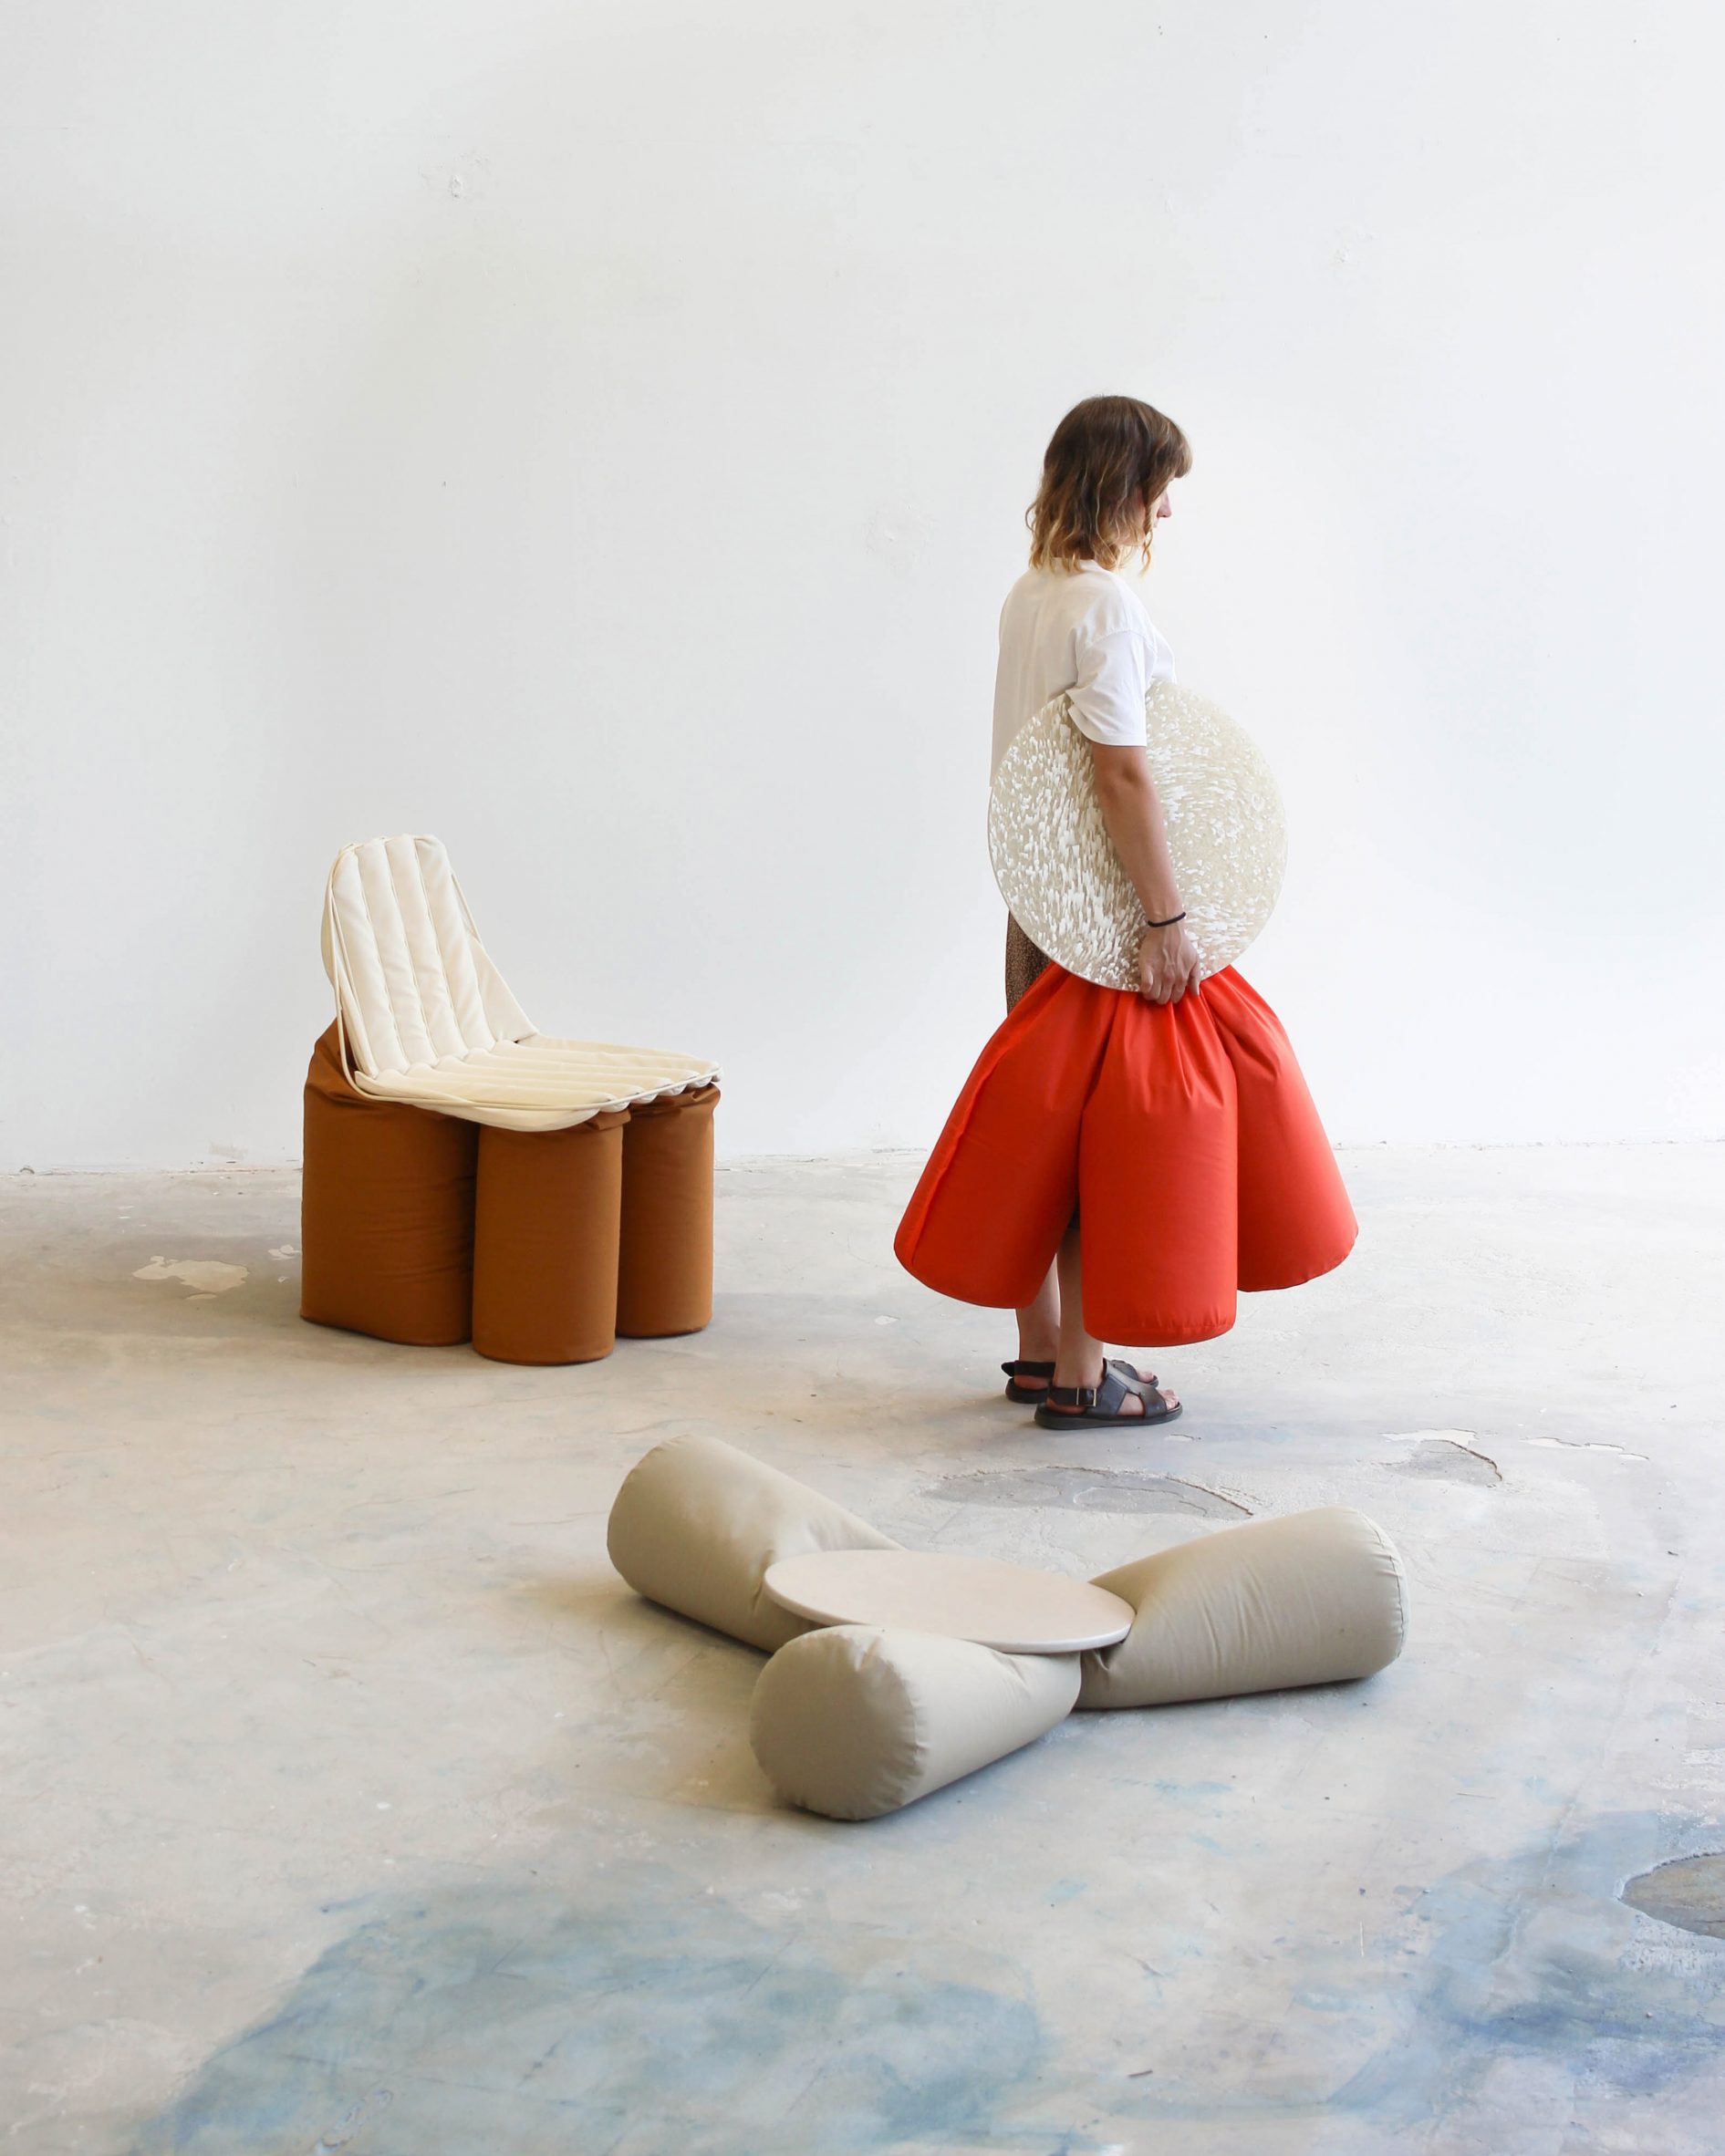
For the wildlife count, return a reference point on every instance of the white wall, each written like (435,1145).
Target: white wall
(599,434)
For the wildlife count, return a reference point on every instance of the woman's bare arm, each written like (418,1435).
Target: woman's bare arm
(1132,816)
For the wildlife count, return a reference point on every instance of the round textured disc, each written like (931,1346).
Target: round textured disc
(1015,1608)
(1059,872)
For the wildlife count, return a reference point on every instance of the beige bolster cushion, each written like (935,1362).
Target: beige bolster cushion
(857,1720)
(1310,1599)
(697,1523)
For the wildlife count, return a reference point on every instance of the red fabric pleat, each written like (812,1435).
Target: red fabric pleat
(1295,1221)
(1156,1178)
(1182,1135)
(988,1215)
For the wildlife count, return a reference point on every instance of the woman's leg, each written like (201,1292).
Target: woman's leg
(1039,1329)
(1080,1357)
(1038,1322)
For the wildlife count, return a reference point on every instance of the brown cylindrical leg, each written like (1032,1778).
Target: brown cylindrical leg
(386,1213)
(664,1280)
(544,1242)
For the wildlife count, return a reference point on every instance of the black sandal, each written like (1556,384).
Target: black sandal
(1100,1404)
(1025,1394)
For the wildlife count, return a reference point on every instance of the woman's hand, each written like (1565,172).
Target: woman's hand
(1168,964)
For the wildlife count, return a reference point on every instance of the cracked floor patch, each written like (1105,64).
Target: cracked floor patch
(1689,1894)
(1620,1452)
(1442,1457)
(1087,1489)
(207,1276)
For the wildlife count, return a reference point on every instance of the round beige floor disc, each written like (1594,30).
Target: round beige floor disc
(1016,1608)
(1057,869)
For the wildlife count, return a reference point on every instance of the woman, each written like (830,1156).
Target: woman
(1179,1114)
(1073,622)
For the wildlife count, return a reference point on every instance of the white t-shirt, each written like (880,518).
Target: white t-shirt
(1083,629)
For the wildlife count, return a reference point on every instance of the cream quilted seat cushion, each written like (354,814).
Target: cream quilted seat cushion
(426,1018)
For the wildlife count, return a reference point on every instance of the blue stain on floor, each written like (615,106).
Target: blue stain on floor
(641,2013)
(1530,1958)
(650,2016)
(1506,1967)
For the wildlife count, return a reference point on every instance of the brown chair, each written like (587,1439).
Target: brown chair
(467,1177)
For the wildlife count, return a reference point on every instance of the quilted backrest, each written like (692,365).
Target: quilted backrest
(414,983)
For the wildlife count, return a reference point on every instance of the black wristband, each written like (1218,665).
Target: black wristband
(1168,923)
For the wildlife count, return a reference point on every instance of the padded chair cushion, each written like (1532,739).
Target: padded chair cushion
(697,1523)
(1314,1597)
(857,1720)
(540,1084)
(429,1021)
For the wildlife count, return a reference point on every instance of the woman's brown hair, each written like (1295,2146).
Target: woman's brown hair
(1106,468)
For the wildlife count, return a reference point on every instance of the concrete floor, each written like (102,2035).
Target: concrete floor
(354,1805)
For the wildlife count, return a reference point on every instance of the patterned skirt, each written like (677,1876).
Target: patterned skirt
(1024,963)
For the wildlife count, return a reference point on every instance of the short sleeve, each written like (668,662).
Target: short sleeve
(1108,698)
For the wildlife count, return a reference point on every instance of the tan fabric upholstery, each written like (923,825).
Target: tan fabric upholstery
(697,1523)
(1311,1599)
(664,1270)
(546,1242)
(386,1213)
(540,1246)
(853,1721)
